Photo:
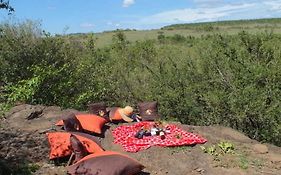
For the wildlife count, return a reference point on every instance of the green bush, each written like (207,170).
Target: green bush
(232,80)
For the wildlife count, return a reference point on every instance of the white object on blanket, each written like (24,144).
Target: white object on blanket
(153,131)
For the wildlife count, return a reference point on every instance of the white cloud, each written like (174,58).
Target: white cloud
(115,24)
(127,3)
(208,3)
(87,25)
(195,14)
(275,5)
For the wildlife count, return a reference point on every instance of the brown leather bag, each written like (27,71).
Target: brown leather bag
(148,110)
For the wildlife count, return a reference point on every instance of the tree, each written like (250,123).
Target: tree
(4,4)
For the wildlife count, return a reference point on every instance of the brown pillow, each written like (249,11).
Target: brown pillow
(106,163)
(71,123)
(148,110)
(77,148)
(98,109)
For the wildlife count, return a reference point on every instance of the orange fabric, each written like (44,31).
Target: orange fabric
(90,145)
(89,122)
(115,115)
(59,123)
(60,144)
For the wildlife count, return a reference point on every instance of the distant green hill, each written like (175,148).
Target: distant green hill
(192,29)
(269,22)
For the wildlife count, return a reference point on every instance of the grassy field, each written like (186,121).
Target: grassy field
(195,29)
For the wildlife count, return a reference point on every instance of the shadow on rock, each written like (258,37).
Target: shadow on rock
(8,167)
(19,150)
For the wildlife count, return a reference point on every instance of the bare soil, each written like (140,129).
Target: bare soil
(24,149)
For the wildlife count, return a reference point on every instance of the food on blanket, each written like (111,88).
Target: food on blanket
(106,163)
(140,134)
(60,143)
(153,131)
(148,111)
(147,133)
(117,114)
(162,134)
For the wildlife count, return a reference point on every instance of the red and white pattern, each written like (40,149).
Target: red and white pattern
(124,135)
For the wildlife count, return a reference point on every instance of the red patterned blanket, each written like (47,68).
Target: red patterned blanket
(124,135)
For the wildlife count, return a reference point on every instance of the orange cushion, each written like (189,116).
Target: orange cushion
(89,122)
(114,114)
(60,144)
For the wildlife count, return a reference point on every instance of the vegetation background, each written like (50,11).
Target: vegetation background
(225,73)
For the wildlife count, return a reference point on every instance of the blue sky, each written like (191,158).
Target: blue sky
(72,16)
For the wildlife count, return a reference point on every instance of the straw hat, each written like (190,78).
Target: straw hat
(126,112)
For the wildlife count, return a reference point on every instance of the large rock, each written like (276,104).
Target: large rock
(260,148)
(35,117)
(20,142)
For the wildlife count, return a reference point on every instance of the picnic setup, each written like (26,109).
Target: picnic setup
(77,140)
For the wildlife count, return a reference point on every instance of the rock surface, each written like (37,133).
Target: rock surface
(23,142)
(260,148)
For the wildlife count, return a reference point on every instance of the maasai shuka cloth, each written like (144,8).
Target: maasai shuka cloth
(125,135)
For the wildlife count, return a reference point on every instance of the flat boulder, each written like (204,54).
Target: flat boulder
(35,117)
(260,148)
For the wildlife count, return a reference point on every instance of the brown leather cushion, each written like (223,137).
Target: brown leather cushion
(71,123)
(106,163)
(87,136)
(77,148)
(148,110)
(98,109)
